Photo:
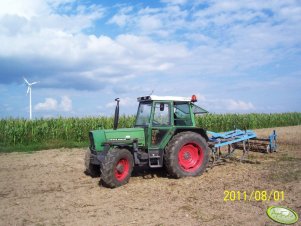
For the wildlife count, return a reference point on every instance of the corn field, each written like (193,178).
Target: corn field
(24,132)
(224,122)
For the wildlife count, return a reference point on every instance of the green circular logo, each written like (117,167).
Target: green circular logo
(282,214)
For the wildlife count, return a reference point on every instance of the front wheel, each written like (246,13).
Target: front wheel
(117,167)
(186,155)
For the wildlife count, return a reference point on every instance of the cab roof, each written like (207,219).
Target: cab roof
(168,98)
(196,109)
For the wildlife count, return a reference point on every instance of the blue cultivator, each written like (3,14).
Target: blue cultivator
(238,139)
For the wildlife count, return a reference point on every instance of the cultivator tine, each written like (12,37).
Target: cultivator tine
(264,145)
(246,149)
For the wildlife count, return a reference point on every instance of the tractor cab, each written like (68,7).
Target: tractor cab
(155,111)
(162,117)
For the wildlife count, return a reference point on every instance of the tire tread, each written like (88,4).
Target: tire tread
(108,165)
(171,154)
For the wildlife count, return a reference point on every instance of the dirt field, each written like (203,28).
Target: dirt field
(50,188)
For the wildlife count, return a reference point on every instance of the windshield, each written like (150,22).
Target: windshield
(198,110)
(143,114)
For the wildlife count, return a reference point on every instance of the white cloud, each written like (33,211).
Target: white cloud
(101,58)
(149,23)
(224,104)
(23,8)
(123,17)
(225,37)
(165,47)
(152,21)
(72,54)
(51,14)
(66,103)
(174,2)
(119,19)
(238,105)
(51,104)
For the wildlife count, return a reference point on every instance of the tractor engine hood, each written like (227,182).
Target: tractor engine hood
(98,138)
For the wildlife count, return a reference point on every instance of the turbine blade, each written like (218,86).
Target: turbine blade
(26,81)
(28,90)
(33,83)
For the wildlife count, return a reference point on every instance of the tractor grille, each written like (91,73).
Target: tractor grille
(92,144)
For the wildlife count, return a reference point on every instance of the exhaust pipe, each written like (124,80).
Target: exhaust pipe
(116,117)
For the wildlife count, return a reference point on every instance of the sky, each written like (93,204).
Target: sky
(236,56)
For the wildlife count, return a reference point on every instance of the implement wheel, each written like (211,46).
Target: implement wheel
(117,167)
(187,154)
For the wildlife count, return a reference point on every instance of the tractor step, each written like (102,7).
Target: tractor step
(155,158)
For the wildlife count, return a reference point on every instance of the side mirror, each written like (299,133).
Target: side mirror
(161,107)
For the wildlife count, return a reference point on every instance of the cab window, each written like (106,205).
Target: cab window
(182,115)
(161,114)
(143,115)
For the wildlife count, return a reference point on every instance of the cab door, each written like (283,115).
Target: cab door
(161,123)
(159,131)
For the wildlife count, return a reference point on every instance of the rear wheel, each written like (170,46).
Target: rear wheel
(117,167)
(186,155)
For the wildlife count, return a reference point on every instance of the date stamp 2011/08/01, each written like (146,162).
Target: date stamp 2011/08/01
(255,195)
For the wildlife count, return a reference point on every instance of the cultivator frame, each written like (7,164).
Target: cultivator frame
(246,141)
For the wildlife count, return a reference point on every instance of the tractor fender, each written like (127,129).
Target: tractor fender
(200,131)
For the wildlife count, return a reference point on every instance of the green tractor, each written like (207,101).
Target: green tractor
(165,134)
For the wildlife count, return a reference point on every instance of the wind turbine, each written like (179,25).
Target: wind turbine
(29,91)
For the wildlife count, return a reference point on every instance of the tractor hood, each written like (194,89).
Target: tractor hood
(98,138)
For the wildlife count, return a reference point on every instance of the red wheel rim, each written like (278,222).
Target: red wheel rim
(190,157)
(122,169)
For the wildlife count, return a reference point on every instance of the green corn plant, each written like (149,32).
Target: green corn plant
(25,132)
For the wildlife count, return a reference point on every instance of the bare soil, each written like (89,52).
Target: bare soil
(50,188)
